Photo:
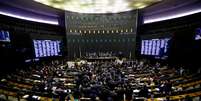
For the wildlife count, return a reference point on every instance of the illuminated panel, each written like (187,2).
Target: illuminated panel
(48,48)
(198,34)
(154,47)
(150,47)
(98,6)
(166,45)
(29,18)
(55,48)
(157,47)
(4,36)
(146,47)
(168,17)
(58,46)
(162,43)
(51,48)
(40,51)
(142,47)
(44,48)
(36,49)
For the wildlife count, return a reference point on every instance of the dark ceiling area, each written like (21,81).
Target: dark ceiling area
(171,7)
(31,6)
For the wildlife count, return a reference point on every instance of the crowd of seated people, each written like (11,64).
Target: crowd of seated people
(116,82)
(100,81)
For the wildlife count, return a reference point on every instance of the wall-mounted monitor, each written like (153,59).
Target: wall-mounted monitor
(4,36)
(198,34)
(154,47)
(47,48)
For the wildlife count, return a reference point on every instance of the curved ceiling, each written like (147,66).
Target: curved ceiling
(30,10)
(30,6)
(170,9)
(98,6)
(164,9)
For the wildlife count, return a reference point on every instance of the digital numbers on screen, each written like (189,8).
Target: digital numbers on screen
(154,47)
(45,48)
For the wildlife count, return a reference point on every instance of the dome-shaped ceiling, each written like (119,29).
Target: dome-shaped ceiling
(170,9)
(98,6)
(152,12)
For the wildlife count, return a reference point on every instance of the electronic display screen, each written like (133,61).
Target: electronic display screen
(154,47)
(4,36)
(198,34)
(46,48)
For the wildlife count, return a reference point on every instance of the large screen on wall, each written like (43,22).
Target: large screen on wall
(4,36)
(46,48)
(198,34)
(154,47)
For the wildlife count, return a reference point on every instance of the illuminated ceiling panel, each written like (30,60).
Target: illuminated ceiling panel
(98,6)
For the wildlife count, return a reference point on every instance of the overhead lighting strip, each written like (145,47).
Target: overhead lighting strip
(171,16)
(29,18)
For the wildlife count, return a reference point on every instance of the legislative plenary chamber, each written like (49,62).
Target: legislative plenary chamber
(100,50)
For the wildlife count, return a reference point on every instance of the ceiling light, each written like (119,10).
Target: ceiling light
(162,18)
(98,6)
(29,18)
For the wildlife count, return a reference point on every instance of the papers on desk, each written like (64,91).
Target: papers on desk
(3,80)
(136,91)
(142,98)
(69,84)
(37,81)
(160,99)
(54,88)
(85,98)
(149,90)
(35,75)
(157,89)
(131,75)
(25,96)
(36,97)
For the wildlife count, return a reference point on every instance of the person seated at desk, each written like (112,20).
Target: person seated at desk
(144,92)
(168,87)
